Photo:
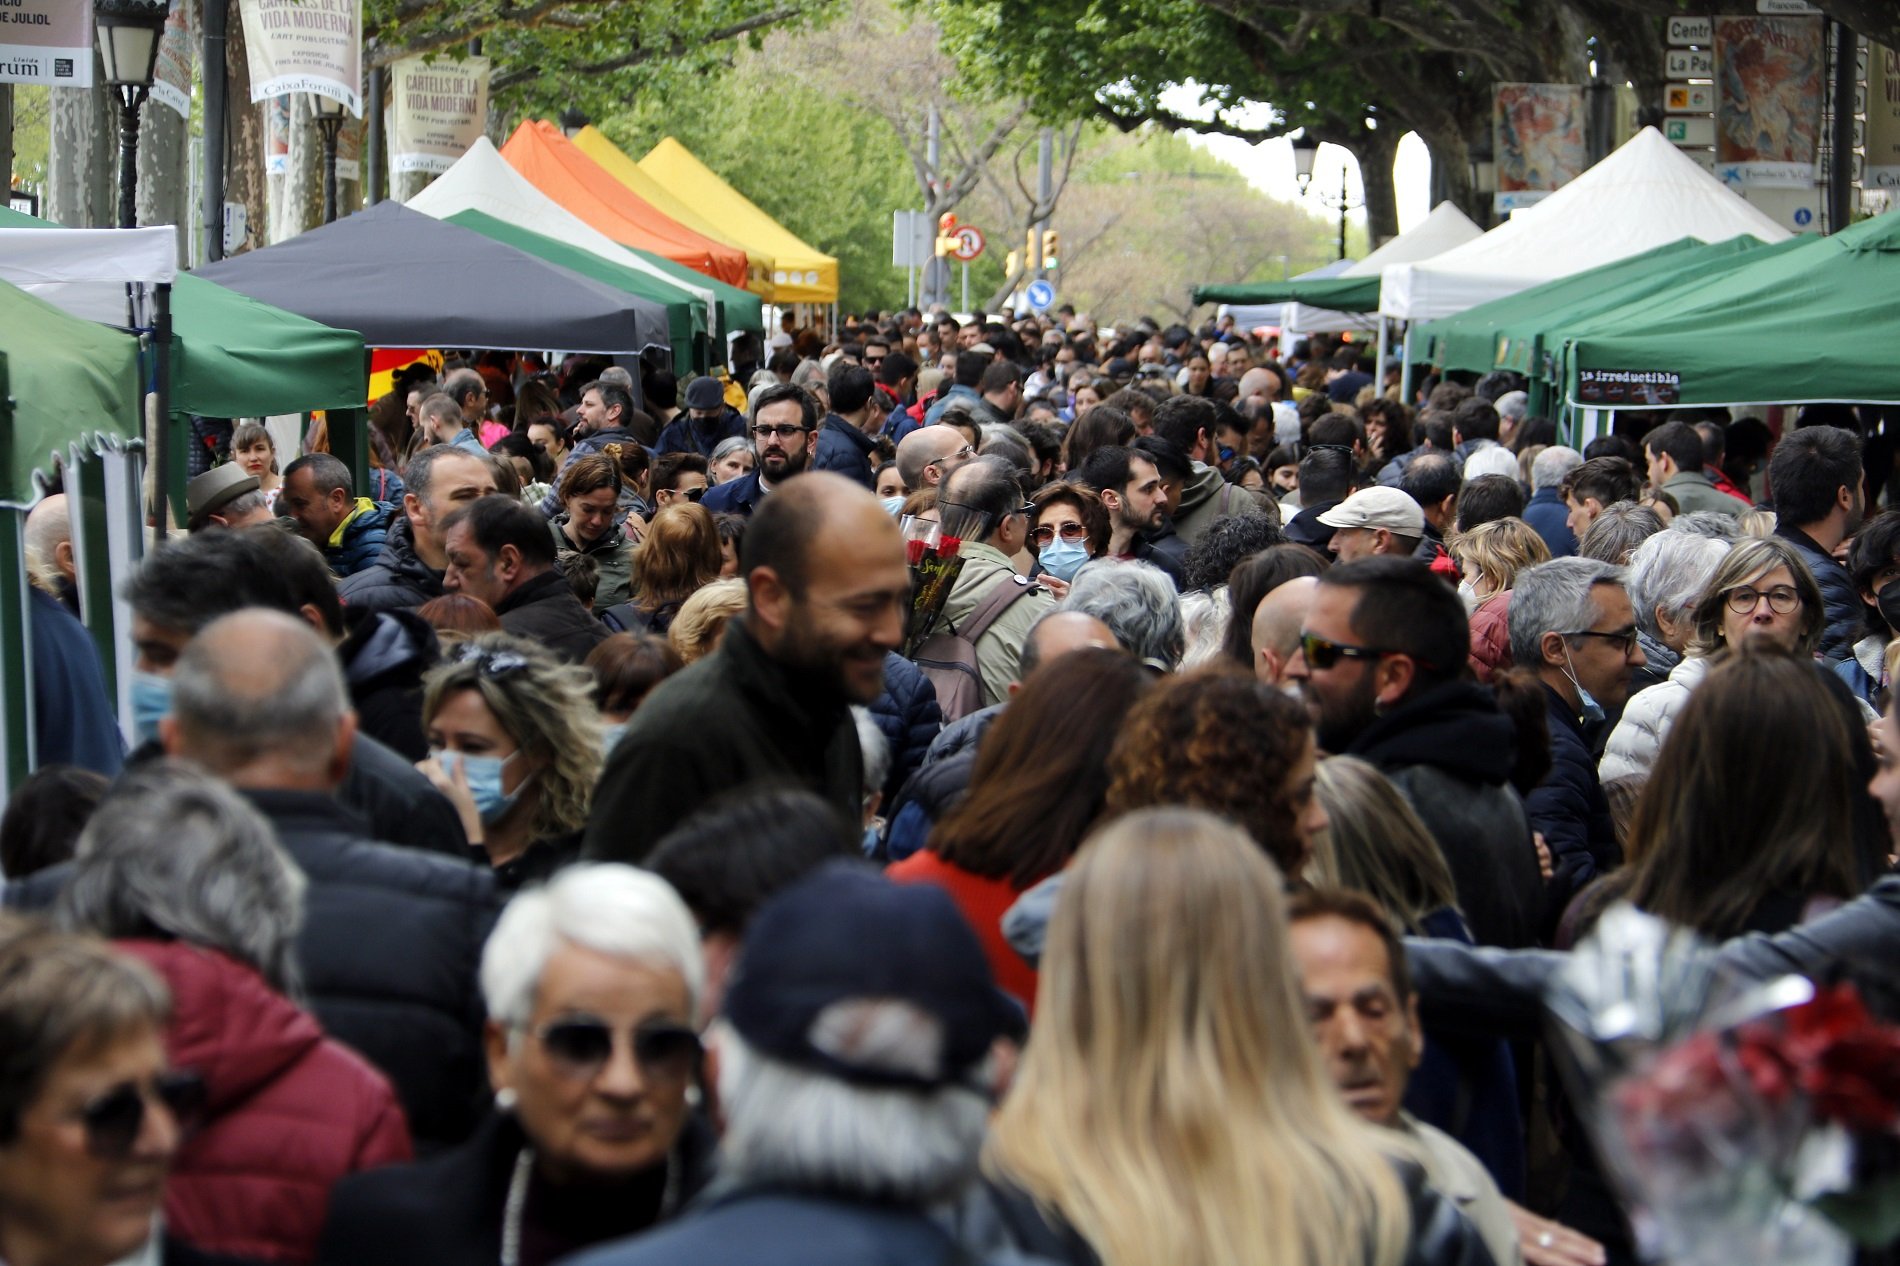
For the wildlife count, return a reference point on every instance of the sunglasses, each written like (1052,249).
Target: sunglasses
(694,494)
(581,1045)
(115,1119)
(489,663)
(1323,654)
(1047,533)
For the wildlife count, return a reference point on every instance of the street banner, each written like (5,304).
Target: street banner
(277,136)
(305,46)
(171,82)
(1883,118)
(437,110)
(1538,139)
(349,149)
(46,42)
(1769,77)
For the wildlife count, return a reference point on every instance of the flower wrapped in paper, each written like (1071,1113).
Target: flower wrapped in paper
(935,561)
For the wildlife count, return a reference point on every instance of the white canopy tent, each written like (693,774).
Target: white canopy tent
(86,271)
(1251,316)
(1444,229)
(1646,194)
(482,180)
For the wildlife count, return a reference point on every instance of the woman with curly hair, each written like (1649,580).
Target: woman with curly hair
(514,742)
(1221,741)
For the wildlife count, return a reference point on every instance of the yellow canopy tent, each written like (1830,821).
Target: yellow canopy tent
(592,142)
(800,273)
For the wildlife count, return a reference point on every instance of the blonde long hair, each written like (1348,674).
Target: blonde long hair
(1170,1104)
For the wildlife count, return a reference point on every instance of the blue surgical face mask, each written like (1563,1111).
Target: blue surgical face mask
(1586,703)
(1062,559)
(892,506)
(484,781)
(1226,453)
(151,703)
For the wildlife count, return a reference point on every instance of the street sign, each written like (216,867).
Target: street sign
(969,245)
(910,239)
(1689,98)
(1785,8)
(1690,131)
(1683,64)
(1685,31)
(24,201)
(1041,295)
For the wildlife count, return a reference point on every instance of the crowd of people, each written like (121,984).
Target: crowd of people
(551,844)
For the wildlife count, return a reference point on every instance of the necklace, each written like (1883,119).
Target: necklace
(517,1203)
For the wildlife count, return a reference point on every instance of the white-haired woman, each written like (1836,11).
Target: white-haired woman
(591,984)
(1139,1132)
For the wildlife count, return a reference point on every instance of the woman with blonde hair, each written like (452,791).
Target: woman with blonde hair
(1140,1131)
(678,556)
(701,621)
(1491,555)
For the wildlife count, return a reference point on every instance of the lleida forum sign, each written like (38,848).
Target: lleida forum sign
(46,42)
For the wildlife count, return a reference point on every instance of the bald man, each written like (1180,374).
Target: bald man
(927,455)
(1276,629)
(49,549)
(827,594)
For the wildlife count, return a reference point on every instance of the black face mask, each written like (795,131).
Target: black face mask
(1889,602)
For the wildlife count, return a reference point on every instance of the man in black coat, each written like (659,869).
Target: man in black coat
(408,570)
(1383,671)
(500,551)
(1815,478)
(828,591)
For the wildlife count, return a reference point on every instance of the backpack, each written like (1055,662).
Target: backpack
(948,659)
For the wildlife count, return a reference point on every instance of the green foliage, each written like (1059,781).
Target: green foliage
(32,119)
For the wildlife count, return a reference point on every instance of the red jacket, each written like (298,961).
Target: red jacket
(289,1111)
(983,903)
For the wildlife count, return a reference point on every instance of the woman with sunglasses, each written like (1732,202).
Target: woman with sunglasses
(515,744)
(89,1109)
(591,984)
(1070,527)
(188,877)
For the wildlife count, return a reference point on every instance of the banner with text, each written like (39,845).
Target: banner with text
(1883,118)
(1769,81)
(46,42)
(1537,139)
(277,136)
(305,46)
(437,111)
(171,81)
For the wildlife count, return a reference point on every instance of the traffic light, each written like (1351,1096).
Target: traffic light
(946,233)
(1051,243)
(1013,263)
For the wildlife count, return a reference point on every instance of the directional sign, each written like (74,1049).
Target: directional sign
(1683,64)
(1689,98)
(1785,8)
(1686,31)
(969,239)
(1041,295)
(1690,131)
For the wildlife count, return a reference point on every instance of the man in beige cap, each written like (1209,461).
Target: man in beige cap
(1375,521)
(224,496)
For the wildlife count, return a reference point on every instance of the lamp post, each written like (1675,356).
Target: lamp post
(129,34)
(329,114)
(1305,147)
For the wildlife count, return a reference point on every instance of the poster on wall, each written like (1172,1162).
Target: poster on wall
(46,42)
(1769,75)
(277,136)
(305,46)
(1538,139)
(437,111)
(1883,118)
(171,82)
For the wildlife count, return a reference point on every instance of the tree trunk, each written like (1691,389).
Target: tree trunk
(6,133)
(244,153)
(297,195)
(82,162)
(1376,151)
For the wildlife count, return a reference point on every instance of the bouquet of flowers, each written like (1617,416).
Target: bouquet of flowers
(1742,1122)
(934,564)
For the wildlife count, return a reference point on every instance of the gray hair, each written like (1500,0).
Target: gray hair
(245,503)
(419,474)
(790,1127)
(1549,467)
(1669,571)
(727,447)
(1618,531)
(257,682)
(610,908)
(978,496)
(1138,603)
(617,376)
(1555,597)
(173,851)
(1712,524)
(1513,404)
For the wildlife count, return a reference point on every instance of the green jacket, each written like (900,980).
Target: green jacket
(614,554)
(1693,491)
(1206,495)
(999,651)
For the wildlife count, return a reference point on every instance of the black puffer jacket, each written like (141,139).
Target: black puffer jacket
(1846,613)
(1569,807)
(909,718)
(1449,750)
(383,662)
(544,609)
(398,577)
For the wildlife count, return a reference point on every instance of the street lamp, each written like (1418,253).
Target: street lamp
(329,114)
(129,34)
(1305,146)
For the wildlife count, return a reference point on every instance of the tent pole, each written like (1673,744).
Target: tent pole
(16,650)
(1405,367)
(161,425)
(86,500)
(1379,373)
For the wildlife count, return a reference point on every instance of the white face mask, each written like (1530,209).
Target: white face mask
(1469,592)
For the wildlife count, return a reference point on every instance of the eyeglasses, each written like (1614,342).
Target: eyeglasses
(487,662)
(1323,654)
(1626,638)
(580,1045)
(694,494)
(784,431)
(1782,599)
(115,1119)
(1045,533)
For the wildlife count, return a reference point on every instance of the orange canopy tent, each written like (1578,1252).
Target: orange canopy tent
(551,163)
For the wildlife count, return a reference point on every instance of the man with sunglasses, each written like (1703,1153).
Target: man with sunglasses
(1382,667)
(848,435)
(678,478)
(1573,626)
(785,433)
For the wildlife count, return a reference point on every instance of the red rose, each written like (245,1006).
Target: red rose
(948,546)
(914,552)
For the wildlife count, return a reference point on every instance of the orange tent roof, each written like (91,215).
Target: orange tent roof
(554,165)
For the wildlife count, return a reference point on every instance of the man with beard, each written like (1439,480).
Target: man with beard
(1382,668)
(827,593)
(785,433)
(1130,485)
(1815,477)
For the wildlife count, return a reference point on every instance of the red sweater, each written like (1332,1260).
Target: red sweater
(983,903)
(288,1113)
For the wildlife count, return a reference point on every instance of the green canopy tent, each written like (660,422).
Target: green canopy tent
(1337,294)
(686,315)
(1814,322)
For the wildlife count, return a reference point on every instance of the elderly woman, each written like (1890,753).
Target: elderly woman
(189,877)
(591,983)
(90,1112)
(731,459)
(515,744)
(1668,572)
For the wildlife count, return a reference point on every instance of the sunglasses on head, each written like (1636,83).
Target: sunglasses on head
(489,663)
(581,1045)
(116,1118)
